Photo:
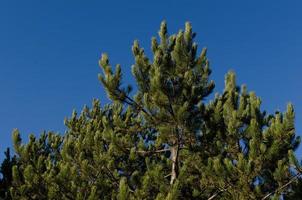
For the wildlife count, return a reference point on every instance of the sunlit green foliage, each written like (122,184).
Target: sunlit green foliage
(166,140)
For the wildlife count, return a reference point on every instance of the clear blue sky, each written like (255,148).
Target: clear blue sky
(49,52)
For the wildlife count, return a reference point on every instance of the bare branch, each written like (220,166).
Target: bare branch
(167,175)
(152,151)
(218,192)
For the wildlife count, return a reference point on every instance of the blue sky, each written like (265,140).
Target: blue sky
(49,52)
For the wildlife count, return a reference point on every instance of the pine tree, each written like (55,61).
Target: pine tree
(166,141)
(227,147)
(6,173)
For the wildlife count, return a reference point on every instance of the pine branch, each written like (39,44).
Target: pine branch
(111,176)
(171,107)
(283,186)
(218,192)
(133,103)
(298,169)
(150,152)
(153,151)
(167,175)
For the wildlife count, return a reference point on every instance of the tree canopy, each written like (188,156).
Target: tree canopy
(168,139)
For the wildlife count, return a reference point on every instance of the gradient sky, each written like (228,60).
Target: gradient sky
(49,52)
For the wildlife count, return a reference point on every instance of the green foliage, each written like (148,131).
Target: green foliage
(6,172)
(165,141)
(36,164)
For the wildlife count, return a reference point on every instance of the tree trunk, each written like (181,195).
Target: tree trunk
(174,157)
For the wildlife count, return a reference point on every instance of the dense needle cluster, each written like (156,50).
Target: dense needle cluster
(163,141)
